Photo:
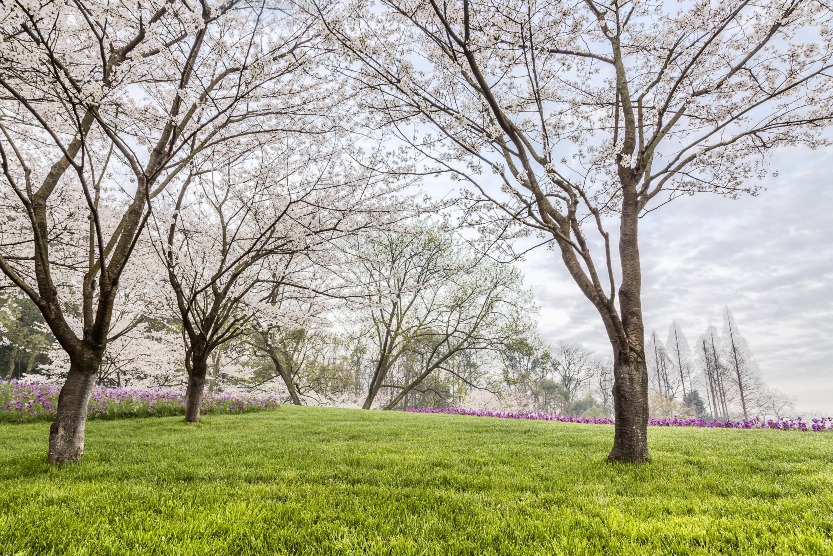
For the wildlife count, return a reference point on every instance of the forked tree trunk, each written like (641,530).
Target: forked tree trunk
(66,435)
(196,388)
(630,403)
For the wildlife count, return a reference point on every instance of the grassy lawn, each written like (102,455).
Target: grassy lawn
(331,481)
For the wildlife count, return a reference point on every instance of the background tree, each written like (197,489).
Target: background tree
(680,355)
(658,364)
(427,298)
(738,358)
(575,367)
(715,374)
(575,118)
(24,337)
(526,362)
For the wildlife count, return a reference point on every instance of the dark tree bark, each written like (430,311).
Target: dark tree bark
(630,372)
(630,405)
(197,371)
(371,395)
(66,435)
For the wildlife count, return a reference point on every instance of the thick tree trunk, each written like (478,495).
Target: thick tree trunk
(196,388)
(630,373)
(66,435)
(630,404)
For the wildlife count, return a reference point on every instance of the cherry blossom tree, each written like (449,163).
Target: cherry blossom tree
(241,229)
(114,99)
(574,119)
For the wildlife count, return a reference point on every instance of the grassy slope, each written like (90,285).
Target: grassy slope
(329,481)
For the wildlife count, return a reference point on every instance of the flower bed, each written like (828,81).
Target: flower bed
(814,425)
(24,402)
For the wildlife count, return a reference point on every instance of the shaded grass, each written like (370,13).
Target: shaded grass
(332,481)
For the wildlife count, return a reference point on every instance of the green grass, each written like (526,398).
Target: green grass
(331,481)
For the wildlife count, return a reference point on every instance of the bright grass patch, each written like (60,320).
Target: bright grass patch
(22,402)
(785,424)
(337,481)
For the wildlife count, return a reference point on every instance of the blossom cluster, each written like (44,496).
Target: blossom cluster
(25,401)
(814,425)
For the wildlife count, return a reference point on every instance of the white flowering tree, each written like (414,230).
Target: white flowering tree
(104,100)
(574,119)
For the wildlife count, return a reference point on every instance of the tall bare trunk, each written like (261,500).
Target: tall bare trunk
(66,435)
(737,367)
(216,358)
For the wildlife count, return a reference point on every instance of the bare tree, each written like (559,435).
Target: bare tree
(772,402)
(739,359)
(680,354)
(717,374)
(575,367)
(658,364)
(572,119)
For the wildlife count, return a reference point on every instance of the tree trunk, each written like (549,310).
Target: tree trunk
(216,357)
(12,361)
(368,401)
(287,379)
(66,435)
(30,364)
(630,372)
(196,387)
(630,405)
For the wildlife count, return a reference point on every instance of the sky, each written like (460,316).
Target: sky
(768,258)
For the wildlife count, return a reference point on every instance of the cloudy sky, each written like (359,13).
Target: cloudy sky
(768,258)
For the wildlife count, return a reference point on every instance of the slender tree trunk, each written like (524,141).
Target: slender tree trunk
(287,379)
(66,435)
(196,387)
(737,365)
(656,366)
(371,395)
(216,357)
(376,382)
(30,364)
(12,361)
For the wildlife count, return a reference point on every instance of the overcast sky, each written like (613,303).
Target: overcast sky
(768,258)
